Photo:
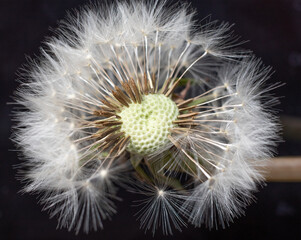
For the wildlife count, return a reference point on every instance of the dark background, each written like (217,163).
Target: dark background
(274,30)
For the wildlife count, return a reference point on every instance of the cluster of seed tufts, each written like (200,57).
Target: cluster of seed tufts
(148,123)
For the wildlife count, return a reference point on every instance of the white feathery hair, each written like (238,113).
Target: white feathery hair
(216,153)
(161,207)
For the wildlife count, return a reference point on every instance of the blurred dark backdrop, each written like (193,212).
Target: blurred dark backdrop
(274,30)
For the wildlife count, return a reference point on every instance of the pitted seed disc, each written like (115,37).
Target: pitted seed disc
(148,123)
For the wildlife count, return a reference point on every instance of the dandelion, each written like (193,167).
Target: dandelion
(136,92)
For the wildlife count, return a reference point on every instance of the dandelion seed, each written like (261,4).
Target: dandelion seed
(160,193)
(132,93)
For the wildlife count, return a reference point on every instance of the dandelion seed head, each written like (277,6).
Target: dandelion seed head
(141,89)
